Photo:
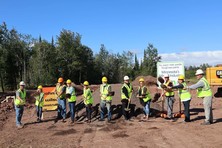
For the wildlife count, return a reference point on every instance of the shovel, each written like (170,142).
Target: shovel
(127,109)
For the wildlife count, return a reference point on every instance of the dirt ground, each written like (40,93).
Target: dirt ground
(157,132)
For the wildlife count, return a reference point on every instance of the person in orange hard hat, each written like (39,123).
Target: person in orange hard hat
(60,92)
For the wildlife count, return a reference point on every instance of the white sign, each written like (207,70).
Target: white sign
(173,69)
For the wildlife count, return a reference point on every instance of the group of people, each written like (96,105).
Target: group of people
(67,93)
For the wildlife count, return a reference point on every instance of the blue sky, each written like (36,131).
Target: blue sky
(172,26)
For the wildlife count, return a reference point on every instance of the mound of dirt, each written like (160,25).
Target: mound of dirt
(149,80)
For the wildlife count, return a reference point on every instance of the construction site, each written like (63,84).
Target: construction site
(156,132)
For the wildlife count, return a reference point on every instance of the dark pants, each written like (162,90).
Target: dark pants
(124,106)
(39,112)
(88,111)
(187,110)
(72,110)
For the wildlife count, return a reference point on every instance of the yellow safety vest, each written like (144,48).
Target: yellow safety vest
(205,91)
(148,96)
(129,90)
(171,93)
(87,94)
(183,93)
(104,91)
(59,89)
(73,94)
(39,100)
(22,96)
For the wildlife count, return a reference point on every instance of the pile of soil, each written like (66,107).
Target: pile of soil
(149,80)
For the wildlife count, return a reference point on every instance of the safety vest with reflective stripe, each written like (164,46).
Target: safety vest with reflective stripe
(104,91)
(71,90)
(171,93)
(59,89)
(129,90)
(39,100)
(183,93)
(87,94)
(148,96)
(22,95)
(205,91)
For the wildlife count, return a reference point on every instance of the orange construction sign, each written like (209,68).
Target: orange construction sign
(50,99)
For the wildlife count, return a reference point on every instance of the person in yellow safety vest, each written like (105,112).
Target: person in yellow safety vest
(71,96)
(184,95)
(39,102)
(19,102)
(126,93)
(204,92)
(88,100)
(60,91)
(145,98)
(106,99)
(169,95)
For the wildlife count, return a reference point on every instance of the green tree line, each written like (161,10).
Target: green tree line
(38,61)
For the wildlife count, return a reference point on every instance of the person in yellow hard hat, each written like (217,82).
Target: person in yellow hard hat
(184,95)
(145,98)
(39,102)
(71,96)
(60,91)
(88,100)
(19,102)
(204,91)
(106,99)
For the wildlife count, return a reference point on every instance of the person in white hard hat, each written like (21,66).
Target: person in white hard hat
(204,92)
(126,93)
(169,97)
(19,103)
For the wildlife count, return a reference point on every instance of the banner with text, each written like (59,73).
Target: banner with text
(173,69)
(50,100)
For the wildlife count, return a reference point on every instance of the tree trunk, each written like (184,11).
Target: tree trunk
(2,83)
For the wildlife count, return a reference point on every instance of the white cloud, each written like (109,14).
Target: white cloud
(194,58)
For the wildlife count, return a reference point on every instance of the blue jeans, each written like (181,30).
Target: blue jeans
(72,110)
(39,112)
(103,105)
(146,108)
(61,108)
(170,101)
(19,112)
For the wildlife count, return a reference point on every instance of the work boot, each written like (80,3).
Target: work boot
(101,119)
(205,123)
(63,120)
(20,126)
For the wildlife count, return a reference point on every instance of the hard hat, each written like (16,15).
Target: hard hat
(40,87)
(126,78)
(86,83)
(104,79)
(22,83)
(199,72)
(181,77)
(68,81)
(166,75)
(60,80)
(141,80)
